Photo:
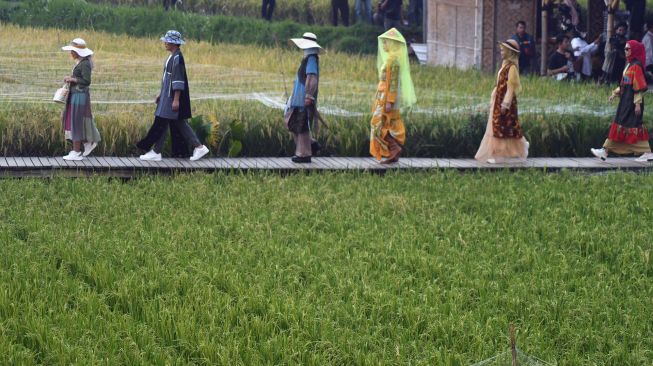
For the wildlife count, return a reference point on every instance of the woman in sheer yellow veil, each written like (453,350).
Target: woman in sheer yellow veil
(394,92)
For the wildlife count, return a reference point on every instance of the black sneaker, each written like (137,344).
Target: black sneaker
(301,159)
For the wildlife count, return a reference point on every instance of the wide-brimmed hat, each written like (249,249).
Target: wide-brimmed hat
(511,45)
(79,46)
(308,40)
(172,36)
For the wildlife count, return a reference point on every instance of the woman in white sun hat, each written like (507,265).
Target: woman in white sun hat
(78,123)
(301,108)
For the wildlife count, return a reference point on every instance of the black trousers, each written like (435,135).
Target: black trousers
(181,135)
(267,7)
(341,6)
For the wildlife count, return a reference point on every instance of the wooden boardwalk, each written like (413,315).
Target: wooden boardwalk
(131,166)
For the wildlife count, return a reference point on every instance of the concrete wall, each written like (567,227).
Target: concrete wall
(464,33)
(453,33)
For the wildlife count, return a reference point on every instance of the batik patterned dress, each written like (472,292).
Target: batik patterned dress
(384,123)
(503,134)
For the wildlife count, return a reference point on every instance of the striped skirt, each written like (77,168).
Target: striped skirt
(78,122)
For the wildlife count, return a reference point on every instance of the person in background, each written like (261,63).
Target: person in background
(392,14)
(647,41)
(628,135)
(560,64)
(569,15)
(379,15)
(173,107)
(78,123)
(503,138)
(583,51)
(301,108)
(342,7)
(394,91)
(527,50)
(267,7)
(637,9)
(363,10)
(415,12)
(615,58)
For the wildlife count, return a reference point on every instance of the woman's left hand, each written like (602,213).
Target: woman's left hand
(638,110)
(175,105)
(68,79)
(388,107)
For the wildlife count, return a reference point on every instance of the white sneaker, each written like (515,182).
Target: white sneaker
(73,155)
(88,147)
(645,157)
(526,146)
(151,156)
(199,152)
(492,161)
(600,153)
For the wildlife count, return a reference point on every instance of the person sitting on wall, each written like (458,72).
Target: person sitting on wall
(560,62)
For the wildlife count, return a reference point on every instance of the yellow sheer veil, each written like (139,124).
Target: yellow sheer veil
(397,50)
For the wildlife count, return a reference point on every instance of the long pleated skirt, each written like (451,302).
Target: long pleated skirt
(78,121)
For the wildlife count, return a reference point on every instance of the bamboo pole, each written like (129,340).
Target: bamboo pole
(612,8)
(544,37)
(513,345)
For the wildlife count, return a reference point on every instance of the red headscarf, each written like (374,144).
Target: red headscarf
(637,52)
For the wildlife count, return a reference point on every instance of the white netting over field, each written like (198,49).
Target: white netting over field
(28,76)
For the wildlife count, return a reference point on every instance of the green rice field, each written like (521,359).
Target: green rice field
(326,269)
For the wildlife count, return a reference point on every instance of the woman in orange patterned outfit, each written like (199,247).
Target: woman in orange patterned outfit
(395,91)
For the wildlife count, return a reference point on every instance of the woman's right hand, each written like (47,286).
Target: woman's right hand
(611,98)
(157,99)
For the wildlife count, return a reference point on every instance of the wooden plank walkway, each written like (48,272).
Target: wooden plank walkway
(131,166)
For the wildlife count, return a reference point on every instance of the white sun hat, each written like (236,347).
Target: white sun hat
(79,46)
(308,40)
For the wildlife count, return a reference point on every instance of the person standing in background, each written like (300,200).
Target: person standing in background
(527,50)
(363,10)
(267,7)
(392,10)
(342,7)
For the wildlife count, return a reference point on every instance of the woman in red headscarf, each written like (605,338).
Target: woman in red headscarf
(628,135)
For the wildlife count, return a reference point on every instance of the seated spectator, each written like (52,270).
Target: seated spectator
(583,52)
(560,63)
